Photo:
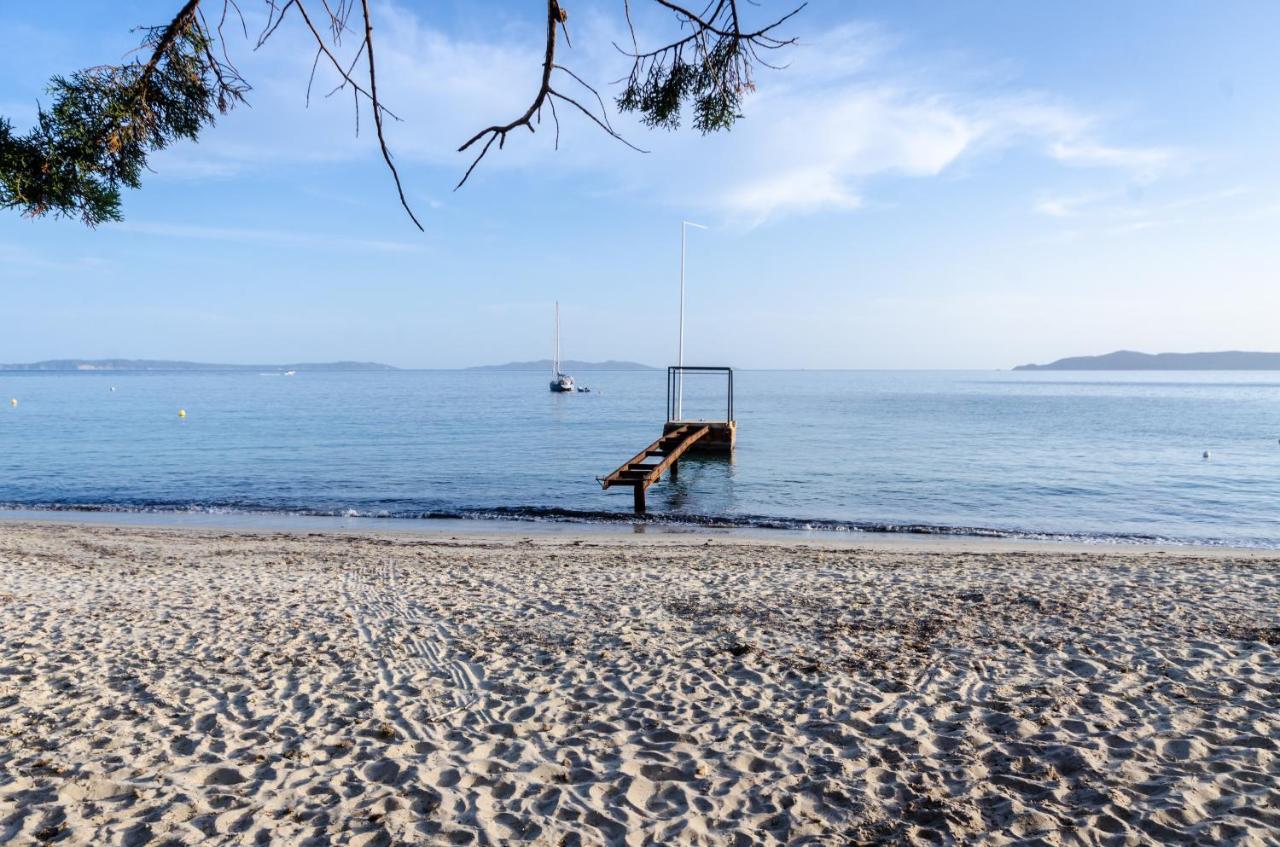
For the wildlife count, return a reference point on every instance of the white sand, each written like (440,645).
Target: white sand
(182,687)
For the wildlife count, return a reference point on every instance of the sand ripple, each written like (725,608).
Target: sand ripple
(167,687)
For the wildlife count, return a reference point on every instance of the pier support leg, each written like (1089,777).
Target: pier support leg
(675,471)
(639,499)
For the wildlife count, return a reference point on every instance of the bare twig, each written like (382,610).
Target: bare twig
(377,112)
(322,46)
(499,132)
(556,17)
(709,64)
(555,118)
(453,711)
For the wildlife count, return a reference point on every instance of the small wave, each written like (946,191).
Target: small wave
(541,514)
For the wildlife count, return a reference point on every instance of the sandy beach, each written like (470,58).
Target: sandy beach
(170,686)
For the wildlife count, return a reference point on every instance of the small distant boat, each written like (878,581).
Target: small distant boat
(561,383)
(290,373)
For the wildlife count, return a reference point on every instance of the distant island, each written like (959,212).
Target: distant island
(1128,360)
(567,366)
(165,365)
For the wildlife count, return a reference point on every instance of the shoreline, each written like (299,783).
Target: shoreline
(505,528)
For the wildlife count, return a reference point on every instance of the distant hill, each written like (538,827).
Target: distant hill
(1128,360)
(568,366)
(165,365)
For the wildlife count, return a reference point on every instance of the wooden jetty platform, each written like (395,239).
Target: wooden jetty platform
(678,438)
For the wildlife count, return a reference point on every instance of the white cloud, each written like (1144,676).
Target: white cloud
(1121,212)
(803,154)
(280,238)
(1055,208)
(443,88)
(15,257)
(843,112)
(1070,206)
(817,133)
(1145,162)
(796,191)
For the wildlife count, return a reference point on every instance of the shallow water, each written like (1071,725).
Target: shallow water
(1062,455)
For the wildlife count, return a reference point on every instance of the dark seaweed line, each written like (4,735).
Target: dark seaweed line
(562,515)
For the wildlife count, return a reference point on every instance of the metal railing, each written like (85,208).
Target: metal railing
(675,388)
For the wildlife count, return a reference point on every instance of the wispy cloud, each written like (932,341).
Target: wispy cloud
(1069,206)
(1142,162)
(804,154)
(282,238)
(1122,212)
(849,108)
(16,257)
(826,126)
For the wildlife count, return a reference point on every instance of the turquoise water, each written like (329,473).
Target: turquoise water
(1066,455)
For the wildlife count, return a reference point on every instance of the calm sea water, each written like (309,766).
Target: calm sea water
(1072,455)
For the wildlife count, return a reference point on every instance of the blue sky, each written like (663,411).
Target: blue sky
(927,184)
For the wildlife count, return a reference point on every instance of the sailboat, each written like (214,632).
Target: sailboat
(560,382)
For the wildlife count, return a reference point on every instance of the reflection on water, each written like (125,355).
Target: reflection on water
(1106,454)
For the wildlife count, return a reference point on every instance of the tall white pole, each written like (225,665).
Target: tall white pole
(684,228)
(680,354)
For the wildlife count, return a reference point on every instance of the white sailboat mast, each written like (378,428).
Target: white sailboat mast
(684,228)
(555,362)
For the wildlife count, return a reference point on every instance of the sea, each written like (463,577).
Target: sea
(1140,457)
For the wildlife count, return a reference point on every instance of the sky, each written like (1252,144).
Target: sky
(923,185)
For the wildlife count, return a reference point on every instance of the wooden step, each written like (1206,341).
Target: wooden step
(640,473)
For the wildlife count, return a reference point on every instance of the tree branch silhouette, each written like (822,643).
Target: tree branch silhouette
(104,122)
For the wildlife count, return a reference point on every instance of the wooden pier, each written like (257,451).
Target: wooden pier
(678,438)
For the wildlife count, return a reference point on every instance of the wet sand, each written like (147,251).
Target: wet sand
(168,686)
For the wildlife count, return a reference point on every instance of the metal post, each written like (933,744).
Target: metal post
(684,225)
(680,355)
(675,375)
(731,394)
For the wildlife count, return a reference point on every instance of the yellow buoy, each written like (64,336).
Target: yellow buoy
(13,401)
(182,413)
